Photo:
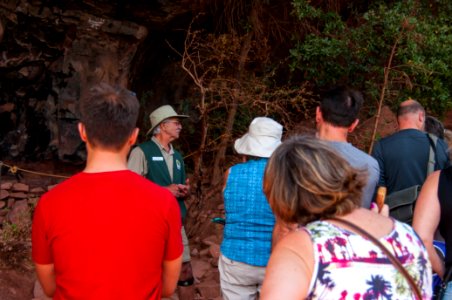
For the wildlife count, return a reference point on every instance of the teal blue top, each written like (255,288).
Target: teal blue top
(249,219)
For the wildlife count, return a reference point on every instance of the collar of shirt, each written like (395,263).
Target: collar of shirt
(171,151)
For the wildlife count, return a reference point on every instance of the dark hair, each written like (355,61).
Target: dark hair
(434,126)
(340,106)
(409,106)
(109,115)
(306,180)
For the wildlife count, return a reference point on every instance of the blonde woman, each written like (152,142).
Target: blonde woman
(307,183)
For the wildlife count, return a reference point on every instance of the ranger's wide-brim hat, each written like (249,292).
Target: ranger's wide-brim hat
(162,113)
(263,137)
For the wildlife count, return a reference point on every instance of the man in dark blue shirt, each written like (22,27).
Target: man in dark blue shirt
(403,156)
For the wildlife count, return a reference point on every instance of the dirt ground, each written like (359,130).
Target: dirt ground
(16,285)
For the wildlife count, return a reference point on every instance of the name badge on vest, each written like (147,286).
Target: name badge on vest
(157,158)
(177,164)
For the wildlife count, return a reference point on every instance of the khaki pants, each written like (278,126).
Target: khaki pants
(239,281)
(186,253)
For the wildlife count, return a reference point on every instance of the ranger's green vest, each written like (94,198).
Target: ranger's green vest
(158,170)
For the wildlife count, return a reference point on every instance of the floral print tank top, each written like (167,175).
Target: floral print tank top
(348,266)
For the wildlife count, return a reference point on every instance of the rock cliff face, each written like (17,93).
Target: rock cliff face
(51,50)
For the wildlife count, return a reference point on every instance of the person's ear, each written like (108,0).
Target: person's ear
(318,115)
(421,119)
(82,131)
(134,136)
(353,126)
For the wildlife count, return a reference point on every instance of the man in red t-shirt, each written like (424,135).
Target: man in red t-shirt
(107,233)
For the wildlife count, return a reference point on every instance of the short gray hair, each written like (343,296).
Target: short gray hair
(156,130)
(407,108)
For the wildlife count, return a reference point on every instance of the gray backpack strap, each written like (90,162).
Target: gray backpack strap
(433,139)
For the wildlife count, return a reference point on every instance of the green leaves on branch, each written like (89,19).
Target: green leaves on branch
(353,48)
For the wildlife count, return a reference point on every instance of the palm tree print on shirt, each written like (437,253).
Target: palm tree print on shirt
(338,264)
(378,288)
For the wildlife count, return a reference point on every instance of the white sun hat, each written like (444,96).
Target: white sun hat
(263,137)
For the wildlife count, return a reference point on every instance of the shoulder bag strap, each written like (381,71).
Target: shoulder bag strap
(446,278)
(390,256)
(432,155)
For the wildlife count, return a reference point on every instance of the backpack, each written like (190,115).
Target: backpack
(401,203)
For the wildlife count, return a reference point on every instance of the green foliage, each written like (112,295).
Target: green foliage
(356,50)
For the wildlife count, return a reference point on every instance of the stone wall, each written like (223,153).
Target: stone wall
(17,200)
(50,51)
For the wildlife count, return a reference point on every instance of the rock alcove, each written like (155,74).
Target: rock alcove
(51,50)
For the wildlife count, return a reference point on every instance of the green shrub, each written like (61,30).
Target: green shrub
(355,50)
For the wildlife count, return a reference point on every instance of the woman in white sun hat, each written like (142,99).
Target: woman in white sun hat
(246,245)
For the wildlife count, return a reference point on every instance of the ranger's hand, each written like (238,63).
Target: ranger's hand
(184,190)
(174,189)
(179,190)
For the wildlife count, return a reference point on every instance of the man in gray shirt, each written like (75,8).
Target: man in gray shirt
(336,117)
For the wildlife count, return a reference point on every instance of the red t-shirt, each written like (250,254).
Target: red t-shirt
(107,235)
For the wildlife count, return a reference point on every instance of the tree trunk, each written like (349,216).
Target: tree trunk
(382,93)
(218,166)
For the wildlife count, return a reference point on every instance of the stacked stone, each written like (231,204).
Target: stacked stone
(16,200)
